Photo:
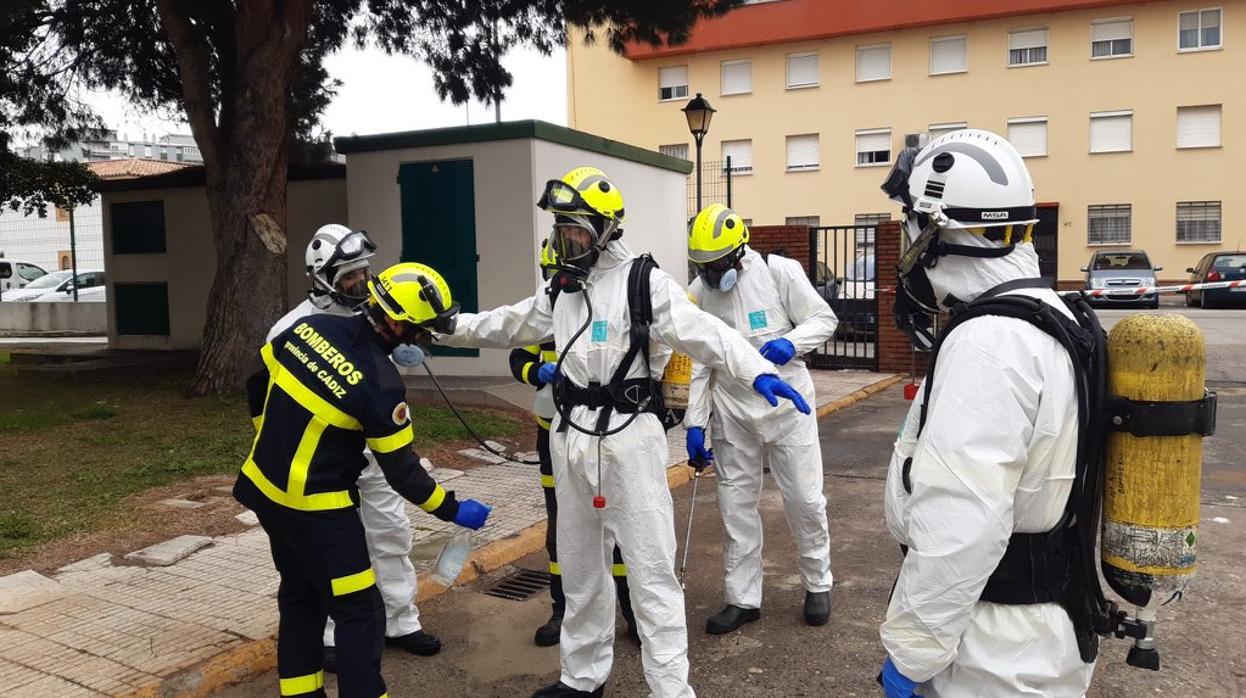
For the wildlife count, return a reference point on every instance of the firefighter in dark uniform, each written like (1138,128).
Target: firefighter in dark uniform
(324,388)
(525,362)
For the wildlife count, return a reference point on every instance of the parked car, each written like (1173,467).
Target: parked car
(854,303)
(1218,266)
(58,287)
(17,274)
(1121,270)
(825,282)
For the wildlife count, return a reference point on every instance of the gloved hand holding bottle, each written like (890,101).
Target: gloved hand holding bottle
(472,514)
(778,351)
(772,388)
(698,455)
(547,372)
(895,684)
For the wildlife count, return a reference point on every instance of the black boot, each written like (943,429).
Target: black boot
(330,660)
(562,690)
(418,642)
(549,634)
(817,607)
(730,618)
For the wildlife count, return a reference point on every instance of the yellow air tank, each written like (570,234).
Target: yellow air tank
(677,381)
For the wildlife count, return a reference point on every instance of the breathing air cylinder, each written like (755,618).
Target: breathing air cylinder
(677,381)
(1158,411)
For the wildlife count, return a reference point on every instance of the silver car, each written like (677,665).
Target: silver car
(1127,269)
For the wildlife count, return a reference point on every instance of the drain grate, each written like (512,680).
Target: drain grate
(520,586)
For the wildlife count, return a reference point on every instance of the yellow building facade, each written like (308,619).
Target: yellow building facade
(1132,116)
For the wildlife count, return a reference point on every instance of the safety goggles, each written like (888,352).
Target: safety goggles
(561,197)
(355,245)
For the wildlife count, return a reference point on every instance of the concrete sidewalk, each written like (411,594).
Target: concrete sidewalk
(194,614)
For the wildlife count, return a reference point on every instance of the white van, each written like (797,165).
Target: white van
(16,273)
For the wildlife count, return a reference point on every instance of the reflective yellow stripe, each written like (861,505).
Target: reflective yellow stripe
(547,481)
(434,500)
(257,422)
(304,396)
(296,482)
(542,422)
(299,685)
(618,569)
(393,442)
(320,501)
(354,582)
(549,356)
(527,370)
(555,568)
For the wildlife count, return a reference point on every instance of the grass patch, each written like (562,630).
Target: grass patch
(436,424)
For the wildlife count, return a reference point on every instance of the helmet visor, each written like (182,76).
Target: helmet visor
(572,240)
(560,197)
(355,246)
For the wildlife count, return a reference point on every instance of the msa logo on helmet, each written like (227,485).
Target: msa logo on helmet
(995,215)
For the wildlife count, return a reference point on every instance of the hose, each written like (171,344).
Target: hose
(470,430)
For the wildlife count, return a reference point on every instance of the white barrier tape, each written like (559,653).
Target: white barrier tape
(1144,290)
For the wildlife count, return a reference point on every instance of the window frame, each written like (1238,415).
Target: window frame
(1022,30)
(872,132)
(857,62)
(1089,218)
(787,70)
(722,75)
(1022,120)
(1219,130)
(1199,48)
(736,170)
(945,127)
(1111,114)
(814,167)
(685,146)
(1177,223)
(1112,56)
(963,38)
(675,97)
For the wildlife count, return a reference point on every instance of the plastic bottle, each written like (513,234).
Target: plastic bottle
(452,557)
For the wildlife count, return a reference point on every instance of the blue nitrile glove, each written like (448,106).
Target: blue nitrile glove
(895,684)
(546,372)
(698,455)
(778,351)
(472,514)
(407,355)
(772,388)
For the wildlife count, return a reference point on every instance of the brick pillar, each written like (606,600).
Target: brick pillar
(895,352)
(793,240)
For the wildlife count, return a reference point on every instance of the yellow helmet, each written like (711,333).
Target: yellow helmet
(415,293)
(583,191)
(714,233)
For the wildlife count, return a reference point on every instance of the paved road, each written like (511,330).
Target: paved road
(488,641)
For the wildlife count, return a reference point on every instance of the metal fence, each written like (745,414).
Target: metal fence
(27,242)
(843,270)
(715,185)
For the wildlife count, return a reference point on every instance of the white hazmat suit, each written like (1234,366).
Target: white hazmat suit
(996,456)
(629,467)
(772,299)
(385,522)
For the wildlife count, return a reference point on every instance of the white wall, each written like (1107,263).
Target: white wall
(39,240)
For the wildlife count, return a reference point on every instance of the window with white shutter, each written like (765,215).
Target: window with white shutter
(1198,30)
(866,224)
(802,70)
(1028,135)
(811,221)
(1027,47)
(675,150)
(1111,132)
(937,130)
(1198,221)
(673,83)
(741,154)
(873,147)
(737,77)
(802,152)
(947,55)
(874,62)
(1198,127)
(1109,224)
(1112,38)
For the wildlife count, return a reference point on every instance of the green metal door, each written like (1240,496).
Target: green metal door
(439,227)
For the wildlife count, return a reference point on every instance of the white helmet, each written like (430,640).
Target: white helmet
(334,251)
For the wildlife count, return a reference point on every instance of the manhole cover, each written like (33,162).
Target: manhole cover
(520,586)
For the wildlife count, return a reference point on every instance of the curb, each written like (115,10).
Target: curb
(253,657)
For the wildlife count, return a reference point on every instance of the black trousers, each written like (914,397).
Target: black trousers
(322,558)
(551,540)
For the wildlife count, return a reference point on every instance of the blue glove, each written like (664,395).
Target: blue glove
(472,514)
(698,455)
(407,355)
(778,351)
(772,388)
(895,684)
(546,372)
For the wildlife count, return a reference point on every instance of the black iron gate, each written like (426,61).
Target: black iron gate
(841,266)
(1047,242)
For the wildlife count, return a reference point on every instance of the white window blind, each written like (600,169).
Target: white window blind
(811,221)
(1109,224)
(802,70)
(673,82)
(1198,127)
(676,150)
(1027,47)
(937,130)
(1198,221)
(947,55)
(1198,29)
(874,146)
(737,77)
(1111,38)
(1111,132)
(802,152)
(873,62)
(1028,136)
(741,154)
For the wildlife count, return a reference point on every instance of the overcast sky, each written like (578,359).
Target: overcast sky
(382,93)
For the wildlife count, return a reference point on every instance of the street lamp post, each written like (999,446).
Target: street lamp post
(699,113)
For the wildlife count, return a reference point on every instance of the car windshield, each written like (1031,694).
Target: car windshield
(1229,261)
(50,280)
(1123,260)
(862,269)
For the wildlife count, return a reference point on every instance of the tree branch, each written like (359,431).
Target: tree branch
(193,67)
